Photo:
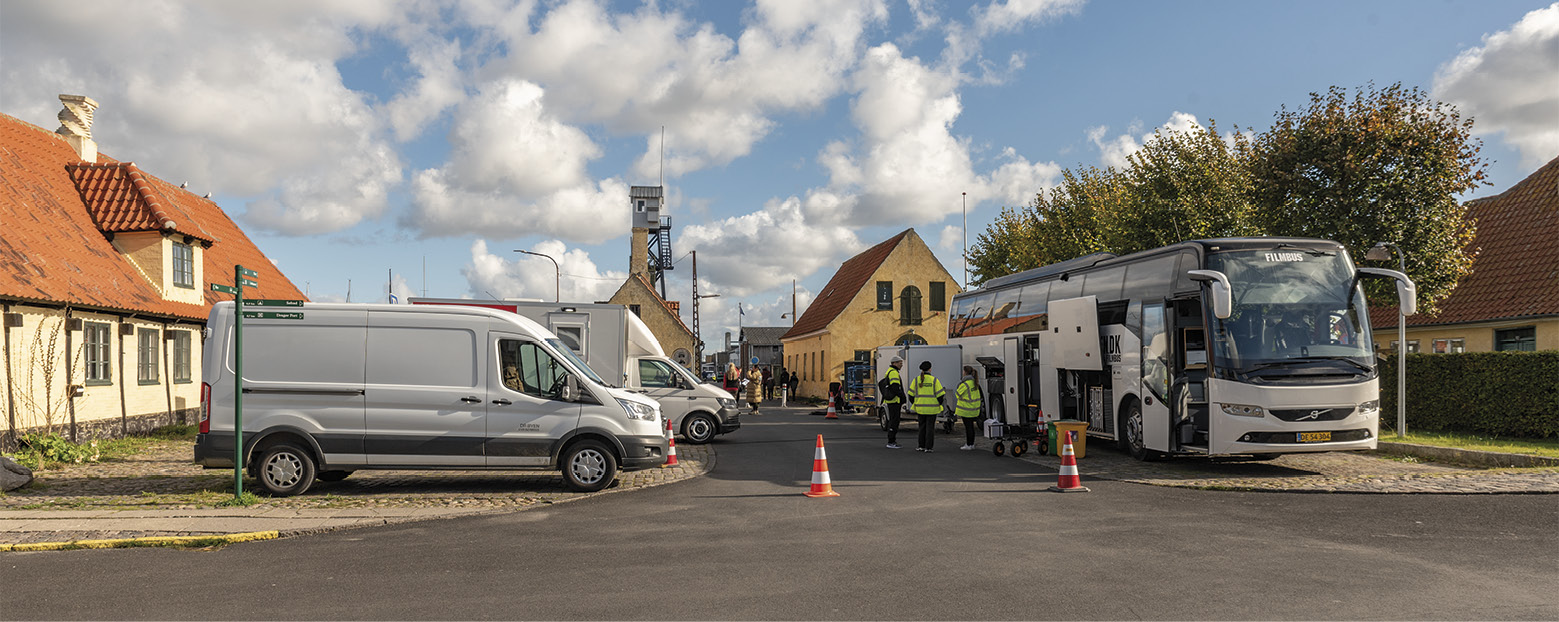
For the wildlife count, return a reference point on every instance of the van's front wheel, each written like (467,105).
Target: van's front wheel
(285,470)
(699,429)
(588,466)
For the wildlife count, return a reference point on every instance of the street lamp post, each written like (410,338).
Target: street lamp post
(557,277)
(1380,252)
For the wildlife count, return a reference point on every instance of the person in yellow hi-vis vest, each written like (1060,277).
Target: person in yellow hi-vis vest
(971,402)
(927,399)
(892,387)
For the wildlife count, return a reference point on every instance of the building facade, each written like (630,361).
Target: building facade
(1510,299)
(104,285)
(894,293)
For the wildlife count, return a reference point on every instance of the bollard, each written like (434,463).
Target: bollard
(784,394)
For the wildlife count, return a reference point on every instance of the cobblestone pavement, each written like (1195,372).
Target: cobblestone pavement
(1350,472)
(164,480)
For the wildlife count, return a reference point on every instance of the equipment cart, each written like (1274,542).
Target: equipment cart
(1014,434)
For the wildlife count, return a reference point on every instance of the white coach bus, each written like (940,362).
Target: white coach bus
(1255,346)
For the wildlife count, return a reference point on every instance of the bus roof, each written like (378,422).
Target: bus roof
(1111,259)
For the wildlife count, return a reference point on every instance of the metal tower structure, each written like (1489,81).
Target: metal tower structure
(647,203)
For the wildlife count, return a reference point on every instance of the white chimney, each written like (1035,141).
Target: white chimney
(76,125)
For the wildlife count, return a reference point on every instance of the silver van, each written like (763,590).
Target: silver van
(329,389)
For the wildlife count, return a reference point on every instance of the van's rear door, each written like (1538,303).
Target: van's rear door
(525,413)
(426,389)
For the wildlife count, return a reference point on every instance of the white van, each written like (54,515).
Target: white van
(329,389)
(615,343)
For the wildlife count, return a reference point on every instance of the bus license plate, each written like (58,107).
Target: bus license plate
(1315,437)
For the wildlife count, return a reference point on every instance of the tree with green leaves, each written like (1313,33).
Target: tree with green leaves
(1382,165)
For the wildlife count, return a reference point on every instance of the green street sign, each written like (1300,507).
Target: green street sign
(249,283)
(226,289)
(273,315)
(251,302)
(242,271)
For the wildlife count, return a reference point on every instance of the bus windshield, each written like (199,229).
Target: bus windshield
(1298,314)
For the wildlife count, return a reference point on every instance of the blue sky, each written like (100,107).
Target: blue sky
(353,138)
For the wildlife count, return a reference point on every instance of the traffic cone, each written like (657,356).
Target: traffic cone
(821,486)
(831,414)
(1068,481)
(671,454)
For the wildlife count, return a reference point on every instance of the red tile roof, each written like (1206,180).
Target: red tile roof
(841,289)
(53,247)
(1516,272)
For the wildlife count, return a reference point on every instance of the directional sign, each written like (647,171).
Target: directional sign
(226,289)
(249,283)
(242,271)
(250,302)
(273,315)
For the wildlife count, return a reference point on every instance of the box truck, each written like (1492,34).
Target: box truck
(615,343)
(329,389)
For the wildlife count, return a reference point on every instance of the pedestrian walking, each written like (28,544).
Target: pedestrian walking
(928,399)
(733,379)
(768,383)
(971,402)
(754,388)
(795,382)
(892,388)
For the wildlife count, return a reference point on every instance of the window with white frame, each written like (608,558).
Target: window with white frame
(181,357)
(183,265)
(98,350)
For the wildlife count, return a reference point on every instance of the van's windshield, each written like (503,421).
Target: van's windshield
(563,350)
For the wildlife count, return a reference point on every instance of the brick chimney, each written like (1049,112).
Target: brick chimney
(76,125)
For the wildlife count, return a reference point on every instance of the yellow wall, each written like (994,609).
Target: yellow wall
(861,326)
(152,253)
(39,395)
(1478,337)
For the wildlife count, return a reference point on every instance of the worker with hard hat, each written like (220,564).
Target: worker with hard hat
(927,399)
(892,388)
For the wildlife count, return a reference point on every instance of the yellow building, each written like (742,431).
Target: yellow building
(896,292)
(1510,299)
(104,285)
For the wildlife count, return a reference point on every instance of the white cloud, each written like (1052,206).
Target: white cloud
(517,170)
(438,88)
(1010,15)
(401,288)
(576,278)
(1115,151)
(260,111)
(1510,85)
(765,249)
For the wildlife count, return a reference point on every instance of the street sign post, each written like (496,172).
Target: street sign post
(226,289)
(273,315)
(242,277)
(261,302)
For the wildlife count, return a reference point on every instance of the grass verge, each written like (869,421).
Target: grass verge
(1547,448)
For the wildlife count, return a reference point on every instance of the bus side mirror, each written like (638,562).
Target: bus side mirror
(1218,288)
(1407,291)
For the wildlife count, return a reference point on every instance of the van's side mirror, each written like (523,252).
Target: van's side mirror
(570,389)
(1407,291)
(1219,289)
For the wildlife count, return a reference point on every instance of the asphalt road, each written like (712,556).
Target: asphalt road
(947,535)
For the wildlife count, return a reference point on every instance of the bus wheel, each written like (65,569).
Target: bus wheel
(1130,432)
(998,448)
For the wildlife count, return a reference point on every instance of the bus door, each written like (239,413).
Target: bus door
(1188,392)
(1156,418)
(1012,398)
(1030,392)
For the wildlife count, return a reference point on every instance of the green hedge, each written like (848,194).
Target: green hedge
(1496,393)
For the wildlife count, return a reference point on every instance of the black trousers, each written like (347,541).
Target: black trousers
(927,430)
(893,421)
(970,423)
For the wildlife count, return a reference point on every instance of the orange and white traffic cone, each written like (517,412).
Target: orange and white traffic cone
(831,414)
(821,485)
(1068,481)
(671,454)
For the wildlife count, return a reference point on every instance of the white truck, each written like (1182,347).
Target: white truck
(946,366)
(618,346)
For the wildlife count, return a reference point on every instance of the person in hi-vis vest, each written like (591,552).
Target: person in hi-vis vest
(893,399)
(970,402)
(927,398)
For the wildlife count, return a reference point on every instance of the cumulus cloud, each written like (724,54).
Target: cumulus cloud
(1114,151)
(1010,15)
(438,87)
(1510,85)
(515,169)
(767,248)
(514,275)
(262,101)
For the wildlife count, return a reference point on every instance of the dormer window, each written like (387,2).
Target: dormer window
(183,265)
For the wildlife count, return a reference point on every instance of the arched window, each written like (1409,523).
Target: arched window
(909,306)
(910,339)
